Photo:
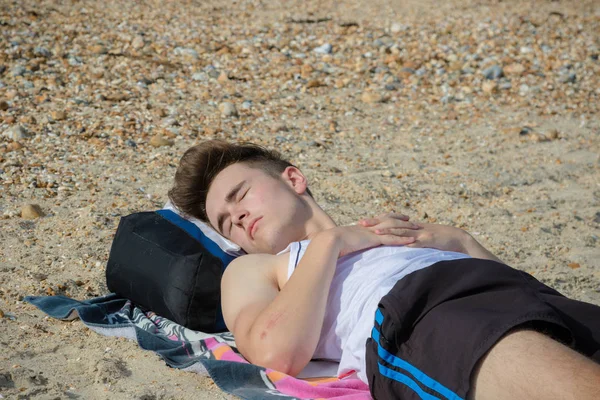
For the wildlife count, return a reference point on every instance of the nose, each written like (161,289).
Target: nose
(239,215)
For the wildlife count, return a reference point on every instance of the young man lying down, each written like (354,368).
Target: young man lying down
(416,310)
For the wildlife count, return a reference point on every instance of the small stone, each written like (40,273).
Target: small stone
(4,105)
(42,52)
(138,42)
(159,141)
(574,265)
(15,133)
(212,71)
(553,134)
(324,49)
(223,77)
(489,87)
(1,314)
(58,115)
(523,89)
(506,85)
(279,127)
(406,72)
(13,146)
(38,276)
(313,83)
(11,94)
(199,77)
(493,72)
(187,53)
(98,49)
(246,105)
(570,77)
(31,211)
(18,71)
(228,109)
(371,98)
(514,69)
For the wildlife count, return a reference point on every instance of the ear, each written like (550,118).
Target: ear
(296,179)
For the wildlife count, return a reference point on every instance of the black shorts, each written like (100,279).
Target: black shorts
(435,325)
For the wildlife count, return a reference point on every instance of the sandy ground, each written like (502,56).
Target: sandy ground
(98,100)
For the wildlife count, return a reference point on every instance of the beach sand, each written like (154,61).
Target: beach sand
(478,114)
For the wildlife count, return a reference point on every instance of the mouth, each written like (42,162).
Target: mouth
(252,228)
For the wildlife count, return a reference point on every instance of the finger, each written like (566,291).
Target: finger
(397,240)
(397,232)
(369,222)
(395,224)
(416,244)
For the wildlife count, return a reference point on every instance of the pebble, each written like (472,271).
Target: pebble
(98,49)
(15,133)
(159,141)
(42,52)
(31,211)
(569,77)
(489,87)
(223,77)
(493,72)
(200,77)
(514,69)
(18,70)
(58,115)
(371,97)
(246,105)
(523,89)
(228,109)
(324,49)
(4,105)
(13,146)
(137,42)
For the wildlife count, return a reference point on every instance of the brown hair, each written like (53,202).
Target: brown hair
(200,165)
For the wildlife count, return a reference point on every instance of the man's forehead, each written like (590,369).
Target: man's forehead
(225,180)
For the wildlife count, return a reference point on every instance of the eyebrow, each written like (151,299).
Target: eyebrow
(228,199)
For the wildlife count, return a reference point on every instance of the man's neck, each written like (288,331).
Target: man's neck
(320,222)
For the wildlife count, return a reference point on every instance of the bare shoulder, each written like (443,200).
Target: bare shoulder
(250,283)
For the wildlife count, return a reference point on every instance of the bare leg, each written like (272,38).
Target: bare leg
(529,365)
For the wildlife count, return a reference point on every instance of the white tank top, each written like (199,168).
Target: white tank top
(361,279)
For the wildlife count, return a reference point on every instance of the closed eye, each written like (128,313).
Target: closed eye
(230,223)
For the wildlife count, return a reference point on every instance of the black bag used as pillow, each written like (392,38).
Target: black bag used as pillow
(164,263)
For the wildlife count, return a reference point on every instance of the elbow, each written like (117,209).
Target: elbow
(289,364)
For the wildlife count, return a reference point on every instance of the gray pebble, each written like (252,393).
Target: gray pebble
(200,76)
(42,52)
(505,85)
(19,70)
(15,133)
(182,51)
(212,71)
(246,105)
(228,109)
(570,77)
(493,72)
(324,49)
(75,61)
(523,89)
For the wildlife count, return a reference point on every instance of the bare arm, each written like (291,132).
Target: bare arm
(281,329)
(473,248)
(442,237)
